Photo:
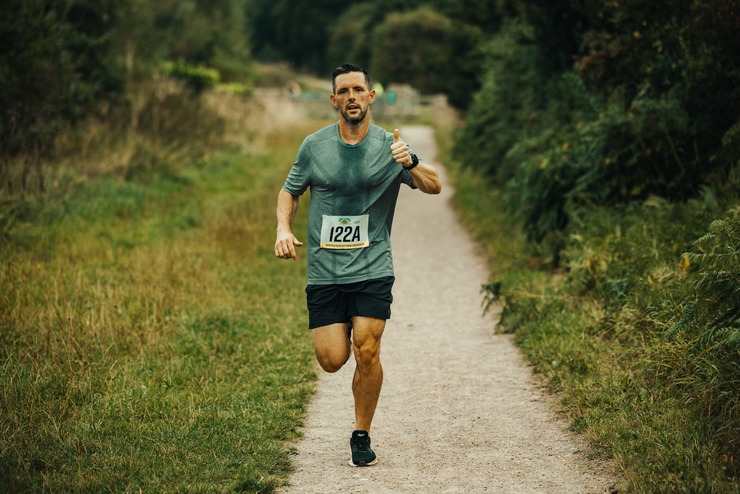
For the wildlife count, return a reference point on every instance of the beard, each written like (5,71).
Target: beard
(353,120)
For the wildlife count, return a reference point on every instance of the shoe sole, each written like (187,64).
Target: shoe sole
(363,464)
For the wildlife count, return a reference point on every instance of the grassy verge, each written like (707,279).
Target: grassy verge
(150,340)
(639,341)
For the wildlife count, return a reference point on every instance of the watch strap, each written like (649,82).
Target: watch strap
(414,161)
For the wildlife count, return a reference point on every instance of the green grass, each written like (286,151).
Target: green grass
(150,340)
(662,403)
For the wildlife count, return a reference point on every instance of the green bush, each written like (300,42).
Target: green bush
(197,77)
(427,50)
(505,112)
(646,107)
(56,66)
(235,88)
(676,315)
(705,334)
(176,118)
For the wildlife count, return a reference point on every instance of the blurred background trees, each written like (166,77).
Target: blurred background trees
(567,103)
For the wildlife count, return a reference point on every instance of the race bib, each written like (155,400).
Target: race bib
(344,232)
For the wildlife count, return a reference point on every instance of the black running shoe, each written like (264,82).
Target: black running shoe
(362,455)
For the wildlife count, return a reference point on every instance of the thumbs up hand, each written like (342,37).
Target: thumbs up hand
(400,150)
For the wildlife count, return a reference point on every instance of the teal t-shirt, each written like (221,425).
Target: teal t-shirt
(353,197)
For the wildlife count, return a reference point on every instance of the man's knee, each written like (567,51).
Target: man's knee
(367,353)
(332,362)
(368,333)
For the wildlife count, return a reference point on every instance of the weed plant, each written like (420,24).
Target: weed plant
(150,341)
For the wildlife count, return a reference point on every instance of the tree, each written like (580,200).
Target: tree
(57,63)
(296,31)
(601,103)
(349,40)
(429,51)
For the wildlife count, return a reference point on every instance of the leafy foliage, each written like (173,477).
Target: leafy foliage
(708,329)
(197,77)
(55,65)
(296,31)
(427,50)
(641,112)
(349,39)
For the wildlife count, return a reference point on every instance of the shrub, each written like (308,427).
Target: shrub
(705,334)
(605,131)
(427,50)
(173,117)
(197,77)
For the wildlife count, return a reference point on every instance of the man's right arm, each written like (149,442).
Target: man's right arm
(285,242)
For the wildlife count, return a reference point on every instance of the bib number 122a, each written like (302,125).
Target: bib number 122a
(344,232)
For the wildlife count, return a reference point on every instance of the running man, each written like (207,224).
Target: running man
(355,170)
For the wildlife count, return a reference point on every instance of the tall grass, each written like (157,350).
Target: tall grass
(639,340)
(149,339)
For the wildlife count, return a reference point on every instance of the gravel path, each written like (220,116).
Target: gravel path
(460,411)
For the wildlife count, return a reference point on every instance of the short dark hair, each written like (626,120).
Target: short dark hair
(346,68)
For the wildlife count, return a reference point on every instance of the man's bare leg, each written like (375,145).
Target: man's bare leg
(331,346)
(368,378)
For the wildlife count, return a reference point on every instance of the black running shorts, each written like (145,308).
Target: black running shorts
(331,304)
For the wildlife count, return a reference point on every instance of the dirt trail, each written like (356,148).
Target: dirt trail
(460,411)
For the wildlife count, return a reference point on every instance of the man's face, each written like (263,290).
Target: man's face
(352,97)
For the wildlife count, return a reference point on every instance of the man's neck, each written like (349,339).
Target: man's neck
(354,133)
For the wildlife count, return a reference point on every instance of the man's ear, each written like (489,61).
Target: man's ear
(333,100)
(372,95)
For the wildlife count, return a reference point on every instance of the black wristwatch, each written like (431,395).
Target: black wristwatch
(414,161)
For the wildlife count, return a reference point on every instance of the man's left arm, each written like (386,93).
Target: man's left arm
(426,179)
(425,176)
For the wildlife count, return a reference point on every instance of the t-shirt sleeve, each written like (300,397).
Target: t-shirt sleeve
(407,178)
(299,177)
